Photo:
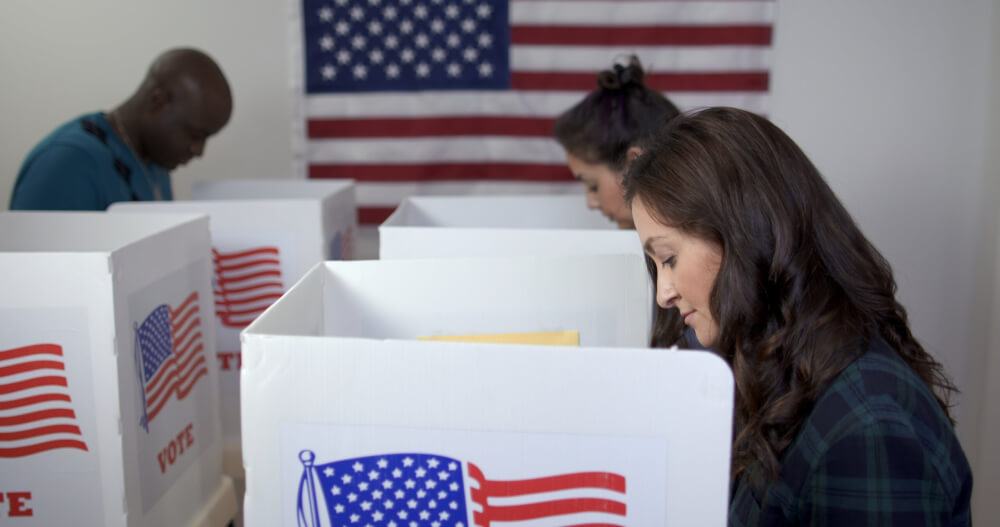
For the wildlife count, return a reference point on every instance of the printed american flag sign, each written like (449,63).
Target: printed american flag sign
(36,410)
(419,489)
(458,96)
(245,283)
(170,355)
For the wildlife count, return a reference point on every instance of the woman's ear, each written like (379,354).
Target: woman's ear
(632,154)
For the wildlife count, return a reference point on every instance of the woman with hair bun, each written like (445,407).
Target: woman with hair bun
(841,417)
(598,132)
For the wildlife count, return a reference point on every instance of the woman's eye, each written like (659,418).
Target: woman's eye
(591,188)
(669,261)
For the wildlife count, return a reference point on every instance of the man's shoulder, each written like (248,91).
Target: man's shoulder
(84,134)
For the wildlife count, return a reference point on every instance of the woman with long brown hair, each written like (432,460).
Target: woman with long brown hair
(841,417)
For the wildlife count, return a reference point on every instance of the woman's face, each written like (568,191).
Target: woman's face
(686,268)
(603,190)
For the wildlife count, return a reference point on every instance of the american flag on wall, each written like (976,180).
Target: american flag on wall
(36,410)
(170,356)
(458,96)
(245,283)
(419,489)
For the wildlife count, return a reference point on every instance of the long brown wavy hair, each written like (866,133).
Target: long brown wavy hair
(800,292)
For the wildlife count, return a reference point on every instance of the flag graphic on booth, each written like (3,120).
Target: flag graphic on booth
(36,409)
(170,356)
(245,283)
(419,489)
(459,96)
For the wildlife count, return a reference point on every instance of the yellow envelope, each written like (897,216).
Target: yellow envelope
(544,338)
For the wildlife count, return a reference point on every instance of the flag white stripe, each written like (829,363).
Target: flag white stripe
(439,149)
(654,59)
(502,104)
(642,13)
(390,194)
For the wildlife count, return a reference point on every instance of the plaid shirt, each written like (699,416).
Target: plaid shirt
(875,450)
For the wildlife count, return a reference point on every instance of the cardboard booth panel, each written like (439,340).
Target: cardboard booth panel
(355,421)
(428,227)
(337,199)
(77,232)
(242,189)
(106,302)
(605,298)
(265,236)
(515,212)
(643,436)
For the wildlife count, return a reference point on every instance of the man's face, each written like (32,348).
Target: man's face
(180,126)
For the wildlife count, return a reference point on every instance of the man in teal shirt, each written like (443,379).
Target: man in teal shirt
(126,154)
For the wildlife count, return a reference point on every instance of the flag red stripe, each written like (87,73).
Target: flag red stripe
(545,509)
(175,364)
(177,376)
(40,431)
(662,35)
(182,338)
(31,366)
(253,312)
(596,480)
(219,268)
(176,367)
(670,82)
(430,127)
(232,303)
(239,322)
(32,383)
(28,401)
(241,254)
(223,281)
(42,447)
(35,349)
(237,290)
(374,215)
(191,299)
(181,392)
(179,319)
(374,173)
(37,416)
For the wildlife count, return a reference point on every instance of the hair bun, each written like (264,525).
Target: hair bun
(622,76)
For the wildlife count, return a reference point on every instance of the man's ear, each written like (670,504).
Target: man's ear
(159,99)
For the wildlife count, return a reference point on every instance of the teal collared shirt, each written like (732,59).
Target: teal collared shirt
(73,169)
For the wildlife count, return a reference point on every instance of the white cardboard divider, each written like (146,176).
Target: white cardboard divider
(462,226)
(109,391)
(352,416)
(266,234)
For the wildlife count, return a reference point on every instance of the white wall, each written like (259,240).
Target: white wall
(889,98)
(987,485)
(62,58)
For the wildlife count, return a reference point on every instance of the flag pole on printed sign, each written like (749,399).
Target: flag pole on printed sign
(307,457)
(144,421)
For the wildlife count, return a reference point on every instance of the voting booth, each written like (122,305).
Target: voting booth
(360,417)
(108,385)
(460,226)
(265,236)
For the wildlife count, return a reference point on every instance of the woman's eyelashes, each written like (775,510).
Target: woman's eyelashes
(671,261)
